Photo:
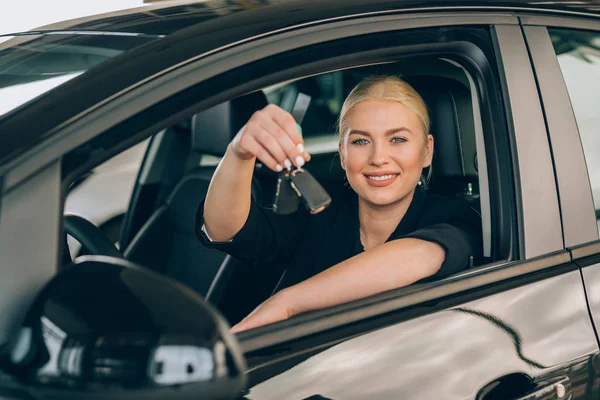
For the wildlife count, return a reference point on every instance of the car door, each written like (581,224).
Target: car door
(515,329)
(568,49)
(518,326)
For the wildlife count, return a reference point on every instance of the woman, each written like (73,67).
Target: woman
(382,233)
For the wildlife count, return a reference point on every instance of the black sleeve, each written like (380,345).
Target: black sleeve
(455,226)
(265,237)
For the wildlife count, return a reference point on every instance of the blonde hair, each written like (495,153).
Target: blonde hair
(385,88)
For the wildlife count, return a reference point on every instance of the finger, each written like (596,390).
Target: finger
(285,120)
(236,328)
(285,141)
(265,139)
(243,325)
(263,155)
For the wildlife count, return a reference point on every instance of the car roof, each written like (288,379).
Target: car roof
(167,17)
(189,28)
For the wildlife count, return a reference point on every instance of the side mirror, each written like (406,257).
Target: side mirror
(104,328)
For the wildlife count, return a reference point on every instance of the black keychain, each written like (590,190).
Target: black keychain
(314,197)
(299,183)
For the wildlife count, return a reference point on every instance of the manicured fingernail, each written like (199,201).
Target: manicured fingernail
(279,168)
(287,163)
(299,161)
(300,148)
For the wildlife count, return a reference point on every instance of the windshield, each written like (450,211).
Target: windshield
(34,63)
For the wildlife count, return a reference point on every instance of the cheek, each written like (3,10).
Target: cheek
(408,157)
(357,157)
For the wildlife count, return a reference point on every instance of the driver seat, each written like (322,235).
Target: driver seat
(167,242)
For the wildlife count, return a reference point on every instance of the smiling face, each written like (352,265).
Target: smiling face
(384,150)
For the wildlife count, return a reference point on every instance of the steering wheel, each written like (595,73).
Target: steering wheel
(90,236)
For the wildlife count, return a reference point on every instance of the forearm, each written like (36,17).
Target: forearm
(389,266)
(228,198)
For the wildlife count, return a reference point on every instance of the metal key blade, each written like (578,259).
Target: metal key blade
(300,107)
(314,197)
(286,200)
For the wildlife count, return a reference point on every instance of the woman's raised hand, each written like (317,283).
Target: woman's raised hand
(272,136)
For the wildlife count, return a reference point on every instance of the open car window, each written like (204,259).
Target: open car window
(174,176)
(579,58)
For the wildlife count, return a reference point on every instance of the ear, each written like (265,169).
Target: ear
(341,152)
(428,151)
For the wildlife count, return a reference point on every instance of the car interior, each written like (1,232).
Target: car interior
(158,230)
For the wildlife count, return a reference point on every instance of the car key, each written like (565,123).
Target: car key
(314,197)
(286,200)
(299,183)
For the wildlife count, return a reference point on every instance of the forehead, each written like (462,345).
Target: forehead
(373,116)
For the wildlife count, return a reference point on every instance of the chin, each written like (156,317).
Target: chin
(382,199)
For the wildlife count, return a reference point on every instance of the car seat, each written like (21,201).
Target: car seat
(454,167)
(167,242)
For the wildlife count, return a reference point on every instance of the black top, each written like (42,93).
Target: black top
(306,245)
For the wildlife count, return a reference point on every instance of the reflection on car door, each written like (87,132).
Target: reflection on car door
(538,331)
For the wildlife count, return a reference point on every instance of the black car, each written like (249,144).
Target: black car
(513,89)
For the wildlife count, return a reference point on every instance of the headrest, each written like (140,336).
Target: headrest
(213,129)
(451,115)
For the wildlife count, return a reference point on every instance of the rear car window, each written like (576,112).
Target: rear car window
(579,58)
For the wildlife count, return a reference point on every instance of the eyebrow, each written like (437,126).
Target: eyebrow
(387,133)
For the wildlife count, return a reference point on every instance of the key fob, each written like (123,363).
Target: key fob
(286,200)
(314,197)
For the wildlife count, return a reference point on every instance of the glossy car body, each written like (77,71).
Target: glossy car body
(522,325)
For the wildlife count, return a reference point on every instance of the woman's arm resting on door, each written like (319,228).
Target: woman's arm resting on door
(392,265)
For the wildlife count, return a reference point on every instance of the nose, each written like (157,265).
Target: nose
(379,155)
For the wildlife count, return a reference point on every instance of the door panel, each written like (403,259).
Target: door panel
(540,331)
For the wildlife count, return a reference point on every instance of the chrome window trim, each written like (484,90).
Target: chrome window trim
(560,21)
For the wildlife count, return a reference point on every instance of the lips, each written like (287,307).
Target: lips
(381,179)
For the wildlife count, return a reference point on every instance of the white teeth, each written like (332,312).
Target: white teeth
(380,178)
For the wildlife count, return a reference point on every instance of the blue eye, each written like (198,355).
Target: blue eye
(360,142)
(398,139)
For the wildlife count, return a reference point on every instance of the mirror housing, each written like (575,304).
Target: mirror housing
(105,328)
